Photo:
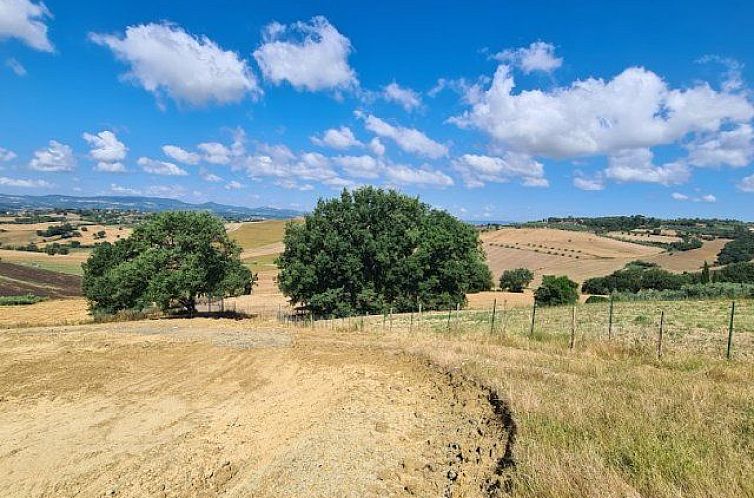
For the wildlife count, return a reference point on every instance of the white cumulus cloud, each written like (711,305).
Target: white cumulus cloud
(56,157)
(406,97)
(107,150)
(23,183)
(6,155)
(181,155)
(360,166)
(476,170)
(311,56)
(337,138)
(408,139)
(25,20)
(634,110)
(746,184)
(732,148)
(539,56)
(165,59)
(584,182)
(208,176)
(424,177)
(164,168)
(636,165)
(15,66)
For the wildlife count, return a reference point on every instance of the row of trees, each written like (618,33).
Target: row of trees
(364,252)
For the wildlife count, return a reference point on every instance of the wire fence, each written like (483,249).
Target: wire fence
(709,328)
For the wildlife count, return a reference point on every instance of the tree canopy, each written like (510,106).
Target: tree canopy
(516,280)
(168,260)
(370,250)
(555,291)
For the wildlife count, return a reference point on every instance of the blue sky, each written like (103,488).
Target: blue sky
(493,111)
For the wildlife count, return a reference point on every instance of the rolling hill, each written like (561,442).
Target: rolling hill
(137,203)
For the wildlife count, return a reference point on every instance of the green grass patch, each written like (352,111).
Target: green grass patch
(20,300)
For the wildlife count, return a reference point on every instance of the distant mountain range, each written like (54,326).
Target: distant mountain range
(147,204)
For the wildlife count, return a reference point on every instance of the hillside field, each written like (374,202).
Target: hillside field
(581,255)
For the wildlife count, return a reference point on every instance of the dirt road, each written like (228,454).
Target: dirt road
(217,408)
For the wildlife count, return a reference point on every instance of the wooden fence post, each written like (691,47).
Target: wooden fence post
(533,317)
(411,324)
(610,320)
(391,320)
(730,330)
(450,313)
(492,322)
(572,341)
(659,337)
(505,315)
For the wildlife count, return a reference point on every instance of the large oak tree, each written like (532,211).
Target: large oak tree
(371,250)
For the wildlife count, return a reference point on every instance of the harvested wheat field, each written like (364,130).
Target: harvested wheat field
(692,260)
(546,251)
(180,408)
(53,312)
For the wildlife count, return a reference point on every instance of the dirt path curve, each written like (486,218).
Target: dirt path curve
(200,409)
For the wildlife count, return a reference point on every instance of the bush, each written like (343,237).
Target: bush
(636,276)
(516,280)
(20,300)
(371,250)
(597,299)
(556,291)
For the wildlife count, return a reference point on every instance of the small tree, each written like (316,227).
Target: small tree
(516,280)
(171,259)
(705,277)
(555,291)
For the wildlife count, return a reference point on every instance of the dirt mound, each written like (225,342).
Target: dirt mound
(19,279)
(152,409)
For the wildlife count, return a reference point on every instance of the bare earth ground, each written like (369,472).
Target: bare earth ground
(205,407)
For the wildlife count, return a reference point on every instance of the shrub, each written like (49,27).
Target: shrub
(556,291)
(20,300)
(516,280)
(597,299)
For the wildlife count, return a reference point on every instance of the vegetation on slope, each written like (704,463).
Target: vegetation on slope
(740,249)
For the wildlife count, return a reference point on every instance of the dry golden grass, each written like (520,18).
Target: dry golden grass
(257,234)
(582,255)
(608,418)
(691,260)
(46,313)
(645,237)
(546,251)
